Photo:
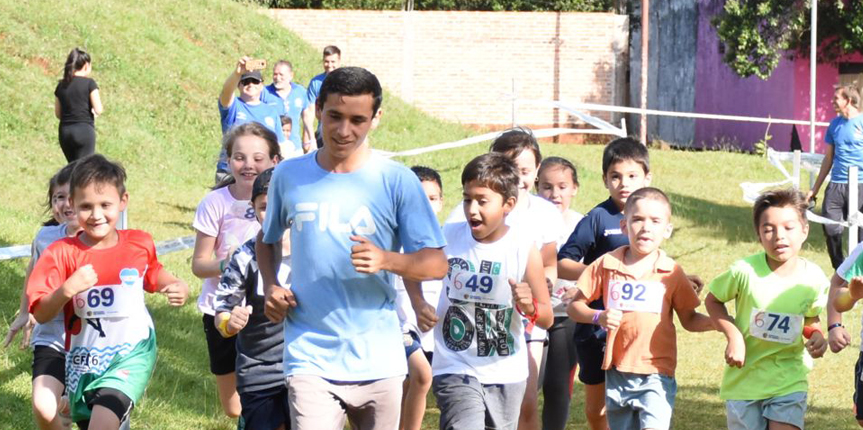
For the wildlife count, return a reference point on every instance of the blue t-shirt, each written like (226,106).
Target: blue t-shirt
(345,326)
(595,235)
(240,112)
(313,91)
(846,136)
(294,105)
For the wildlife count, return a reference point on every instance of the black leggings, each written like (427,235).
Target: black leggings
(559,373)
(77,140)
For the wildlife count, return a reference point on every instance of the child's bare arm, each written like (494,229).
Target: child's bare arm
(534,276)
(173,288)
(23,321)
(694,321)
(49,306)
(837,337)
(548,252)
(816,344)
(230,323)
(579,311)
(735,351)
(569,269)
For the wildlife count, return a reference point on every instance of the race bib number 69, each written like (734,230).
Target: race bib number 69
(636,296)
(107,301)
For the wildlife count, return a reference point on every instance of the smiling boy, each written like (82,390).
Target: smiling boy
(350,212)
(98,279)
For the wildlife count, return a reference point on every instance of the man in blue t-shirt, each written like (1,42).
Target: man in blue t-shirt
(331,61)
(247,107)
(293,96)
(844,149)
(349,212)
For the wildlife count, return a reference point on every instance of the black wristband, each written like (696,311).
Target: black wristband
(832,326)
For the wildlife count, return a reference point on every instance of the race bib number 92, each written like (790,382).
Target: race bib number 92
(636,296)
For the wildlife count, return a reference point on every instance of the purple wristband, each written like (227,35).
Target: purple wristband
(596,317)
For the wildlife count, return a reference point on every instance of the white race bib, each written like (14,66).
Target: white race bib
(479,287)
(636,296)
(112,301)
(775,326)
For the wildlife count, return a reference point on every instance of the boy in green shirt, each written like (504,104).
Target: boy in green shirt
(777,298)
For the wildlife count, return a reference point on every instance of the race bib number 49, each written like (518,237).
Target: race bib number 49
(636,296)
(775,326)
(479,287)
(107,301)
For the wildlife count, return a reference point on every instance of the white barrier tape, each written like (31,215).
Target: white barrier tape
(540,133)
(162,248)
(596,122)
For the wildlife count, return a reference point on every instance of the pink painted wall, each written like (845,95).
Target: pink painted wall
(784,95)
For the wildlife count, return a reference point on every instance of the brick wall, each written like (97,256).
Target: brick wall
(459,66)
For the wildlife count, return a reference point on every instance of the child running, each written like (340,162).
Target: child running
(47,340)
(625,169)
(540,221)
(224,221)
(98,279)
(480,360)
(777,298)
(239,304)
(557,182)
(640,286)
(846,289)
(419,345)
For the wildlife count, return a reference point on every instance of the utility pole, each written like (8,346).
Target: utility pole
(645,46)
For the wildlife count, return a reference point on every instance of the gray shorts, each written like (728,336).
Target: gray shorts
(754,414)
(466,404)
(634,401)
(320,404)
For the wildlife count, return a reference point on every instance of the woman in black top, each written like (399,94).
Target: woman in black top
(77,104)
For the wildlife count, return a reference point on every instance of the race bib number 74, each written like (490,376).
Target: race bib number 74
(636,296)
(775,326)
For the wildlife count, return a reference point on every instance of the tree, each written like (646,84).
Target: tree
(755,34)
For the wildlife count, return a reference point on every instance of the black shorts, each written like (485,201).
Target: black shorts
(114,400)
(49,361)
(222,351)
(266,409)
(858,388)
(589,353)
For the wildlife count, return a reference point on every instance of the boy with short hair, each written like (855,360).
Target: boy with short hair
(330,60)
(625,169)
(239,306)
(777,296)
(639,286)
(480,360)
(98,279)
(355,219)
(419,345)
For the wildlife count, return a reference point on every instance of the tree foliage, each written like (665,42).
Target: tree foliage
(481,5)
(755,34)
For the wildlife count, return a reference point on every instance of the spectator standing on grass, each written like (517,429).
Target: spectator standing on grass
(77,104)
(293,96)
(248,107)
(844,149)
(349,212)
(332,58)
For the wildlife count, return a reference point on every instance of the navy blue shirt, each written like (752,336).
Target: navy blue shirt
(596,234)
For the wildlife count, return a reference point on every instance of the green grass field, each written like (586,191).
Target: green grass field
(160,65)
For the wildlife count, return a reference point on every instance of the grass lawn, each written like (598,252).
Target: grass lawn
(160,65)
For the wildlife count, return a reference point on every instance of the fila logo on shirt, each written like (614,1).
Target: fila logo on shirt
(328,216)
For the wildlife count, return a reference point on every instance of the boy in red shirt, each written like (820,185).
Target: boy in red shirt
(97,279)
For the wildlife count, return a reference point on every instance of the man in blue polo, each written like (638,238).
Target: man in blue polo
(293,96)
(331,61)
(844,149)
(247,107)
